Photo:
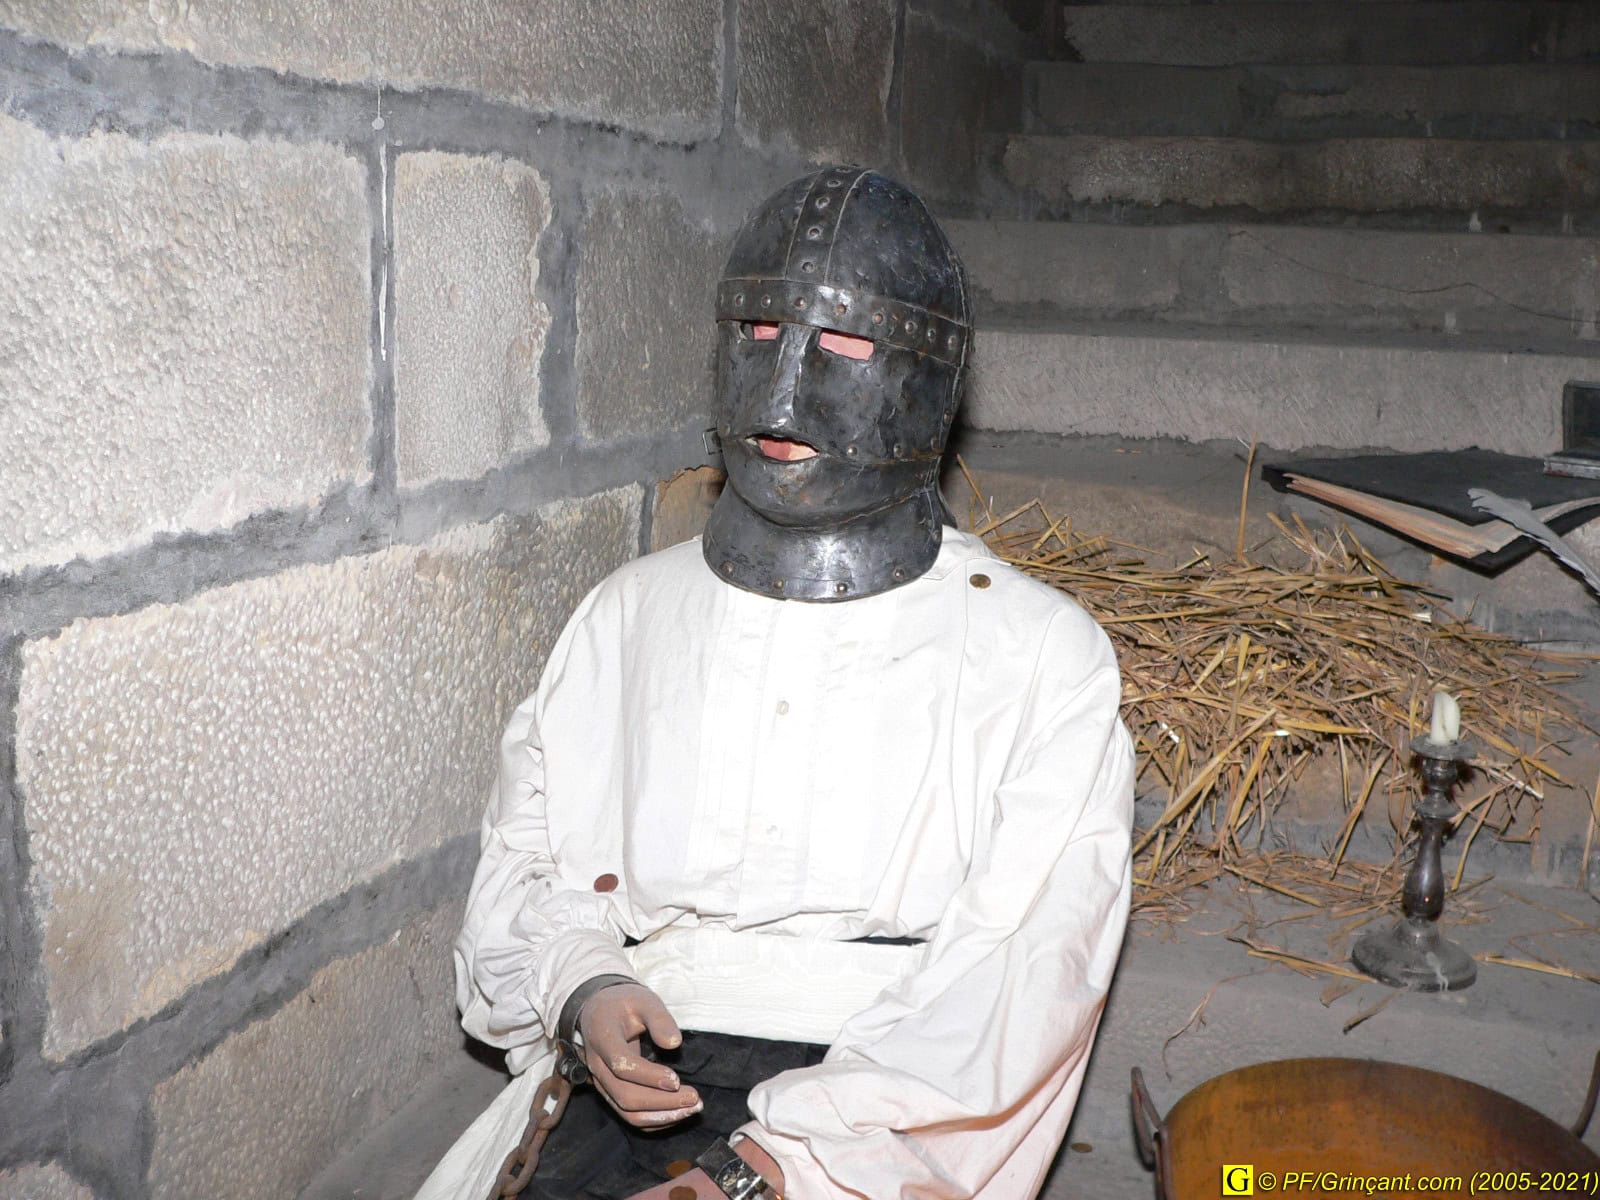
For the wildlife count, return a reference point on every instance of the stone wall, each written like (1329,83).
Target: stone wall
(340,351)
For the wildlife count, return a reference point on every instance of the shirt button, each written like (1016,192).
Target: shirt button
(783,707)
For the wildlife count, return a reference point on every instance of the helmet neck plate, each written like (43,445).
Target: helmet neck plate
(872,553)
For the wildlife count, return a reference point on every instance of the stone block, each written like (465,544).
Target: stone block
(655,67)
(953,92)
(646,317)
(683,503)
(1285,394)
(187,335)
(35,1182)
(1507,286)
(1075,267)
(294,1090)
(1450,283)
(1433,32)
(469,327)
(1356,175)
(1534,600)
(195,777)
(1119,98)
(1542,96)
(1521,100)
(815,77)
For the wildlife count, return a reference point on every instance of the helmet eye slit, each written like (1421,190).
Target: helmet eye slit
(846,345)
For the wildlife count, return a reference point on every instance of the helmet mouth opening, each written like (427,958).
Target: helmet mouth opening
(781,448)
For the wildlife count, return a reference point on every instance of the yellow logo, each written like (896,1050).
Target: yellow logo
(1238,1180)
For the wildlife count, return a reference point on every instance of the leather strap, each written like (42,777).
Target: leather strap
(734,1178)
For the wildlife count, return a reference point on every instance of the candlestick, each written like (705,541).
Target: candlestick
(1411,953)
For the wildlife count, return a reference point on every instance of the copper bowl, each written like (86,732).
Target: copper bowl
(1361,1119)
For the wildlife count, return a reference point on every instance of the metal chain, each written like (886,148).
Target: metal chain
(549,1103)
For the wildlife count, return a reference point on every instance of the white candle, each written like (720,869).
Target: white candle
(1446,718)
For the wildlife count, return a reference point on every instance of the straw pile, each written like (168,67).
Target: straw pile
(1237,674)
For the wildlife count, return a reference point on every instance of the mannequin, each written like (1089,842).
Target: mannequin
(832,787)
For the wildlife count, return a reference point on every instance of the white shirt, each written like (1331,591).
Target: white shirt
(943,761)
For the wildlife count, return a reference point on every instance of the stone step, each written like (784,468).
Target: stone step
(1400,181)
(392,1161)
(1397,392)
(1416,33)
(1520,101)
(1175,500)
(1287,277)
(1530,1036)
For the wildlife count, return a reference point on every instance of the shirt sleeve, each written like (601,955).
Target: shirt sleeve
(529,939)
(929,1091)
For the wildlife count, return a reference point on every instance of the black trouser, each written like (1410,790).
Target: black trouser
(594,1155)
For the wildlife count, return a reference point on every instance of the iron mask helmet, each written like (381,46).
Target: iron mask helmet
(844,251)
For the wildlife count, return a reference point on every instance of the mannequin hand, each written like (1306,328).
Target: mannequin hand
(645,1094)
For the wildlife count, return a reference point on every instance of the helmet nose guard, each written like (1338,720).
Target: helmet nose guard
(788,372)
(847,250)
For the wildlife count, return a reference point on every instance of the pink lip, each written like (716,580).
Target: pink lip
(784,449)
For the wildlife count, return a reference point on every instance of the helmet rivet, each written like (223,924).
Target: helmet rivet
(799,301)
(833,183)
(841,307)
(850,451)
(778,583)
(840,589)
(738,298)
(727,568)
(766,302)
(877,318)
(822,203)
(932,333)
(951,341)
(899,572)
(910,326)
(898,450)
(814,232)
(808,266)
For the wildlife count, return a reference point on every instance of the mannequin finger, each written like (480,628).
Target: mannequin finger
(655,1120)
(623,1057)
(626,1065)
(642,1105)
(658,1022)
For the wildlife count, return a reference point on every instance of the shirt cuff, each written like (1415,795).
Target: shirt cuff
(570,961)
